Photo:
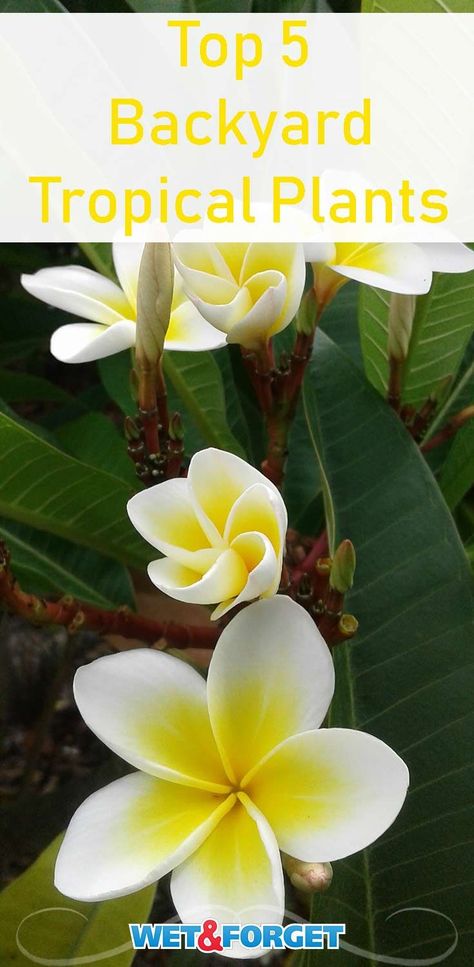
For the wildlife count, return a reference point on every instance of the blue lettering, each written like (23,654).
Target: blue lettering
(333,932)
(293,936)
(190,932)
(171,935)
(145,935)
(230,932)
(314,936)
(271,935)
(250,935)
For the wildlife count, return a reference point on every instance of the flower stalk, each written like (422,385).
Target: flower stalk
(278,388)
(75,615)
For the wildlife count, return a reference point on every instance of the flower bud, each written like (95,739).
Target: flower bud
(400,325)
(308,877)
(306,315)
(154,297)
(343,567)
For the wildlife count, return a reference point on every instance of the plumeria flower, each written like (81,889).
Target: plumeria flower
(112,309)
(395,266)
(247,291)
(231,773)
(222,531)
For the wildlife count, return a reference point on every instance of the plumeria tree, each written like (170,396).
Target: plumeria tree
(244,422)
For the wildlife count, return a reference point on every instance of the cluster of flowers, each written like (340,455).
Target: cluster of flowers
(236,769)
(234,293)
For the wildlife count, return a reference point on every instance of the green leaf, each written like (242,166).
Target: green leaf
(47,565)
(100,255)
(64,928)
(416,6)
(235,414)
(21,387)
(115,375)
(457,476)
(302,484)
(443,325)
(94,439)
(31,6)
(407,677)
(317,450)
(198,383)
(46,489)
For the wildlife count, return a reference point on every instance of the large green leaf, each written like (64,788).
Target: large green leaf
(443,325)
(94,439)
(457,476)
(31,6)
(45,488)
(47,565)
(197,381)
(100,254)
(229,6)
(64,929)
(20,387)
(416,6)
(408,675)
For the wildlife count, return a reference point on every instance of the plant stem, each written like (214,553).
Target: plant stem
(75,615)
(162,398)
(147,401)
(447,406)
(451,428)
(394,394)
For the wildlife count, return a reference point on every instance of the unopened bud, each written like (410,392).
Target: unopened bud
(400,325)
(308,877)
(348,625)
(176,430)
(131,430)
(154,297)
(343,567)
(306,315)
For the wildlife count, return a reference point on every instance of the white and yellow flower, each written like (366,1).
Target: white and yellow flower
(112,309)
(395,266)
(222,531)
(231,773)
(247,291)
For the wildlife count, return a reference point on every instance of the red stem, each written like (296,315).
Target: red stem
(76,615)
(319,549)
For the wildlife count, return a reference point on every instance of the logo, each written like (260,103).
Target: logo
(207,938)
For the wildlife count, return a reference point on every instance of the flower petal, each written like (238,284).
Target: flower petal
(83,342)
(258,509)
(234,877)
(319,251)
(164,515)
(131,833)
(217,479)
(80,291)
(188,330)
(271,675)
(225,579)
(264,569)
(150,708)
(397,267)
(223,315)
(204,271)
(329,793)
(448,256)
(267,299)
(286,258)
(127,257)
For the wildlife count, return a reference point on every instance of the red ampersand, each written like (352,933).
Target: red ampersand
(207,940)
